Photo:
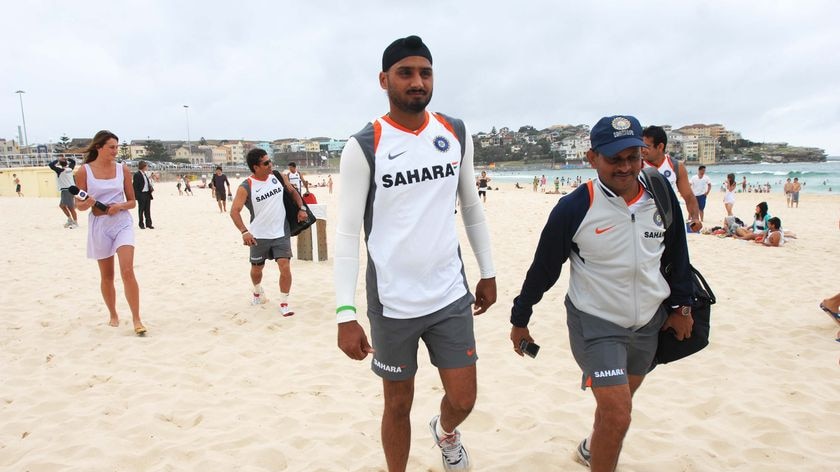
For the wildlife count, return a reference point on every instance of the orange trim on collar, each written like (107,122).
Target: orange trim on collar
(638,196)
(400,127)
(591,188)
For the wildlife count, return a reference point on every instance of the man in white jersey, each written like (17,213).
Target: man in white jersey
(268,236)
(400,178)
(654,155)
(701,185)
(296,179)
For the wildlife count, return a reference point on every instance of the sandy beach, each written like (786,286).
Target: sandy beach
(219,385)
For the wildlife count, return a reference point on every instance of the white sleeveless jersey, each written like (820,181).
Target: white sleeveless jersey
(265,202)
(412,241)
(296,181)
(667,171)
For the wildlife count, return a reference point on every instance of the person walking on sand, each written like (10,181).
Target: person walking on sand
(110,229)
(788,192)
(17,185)
(401,175)
(63,168)
(794,192)
(143,189)
(187,188)
(701,185)
(330,183)
(656,140)
(218,183)
(729,197)
(611,231)
(268,235)
(481,182)
(296,179)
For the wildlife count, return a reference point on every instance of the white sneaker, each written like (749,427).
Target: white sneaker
(68,224)
(285,310)
(453,453)
(583,454)
(259,298)
(73,225)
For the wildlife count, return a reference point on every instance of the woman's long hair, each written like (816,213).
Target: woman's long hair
(762,211)
(102,137)
(730,179)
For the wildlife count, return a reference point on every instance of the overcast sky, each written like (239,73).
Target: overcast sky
(276,69)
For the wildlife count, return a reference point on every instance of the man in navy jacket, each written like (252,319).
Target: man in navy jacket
(618,298)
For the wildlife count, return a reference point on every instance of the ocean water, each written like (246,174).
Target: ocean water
(816,177)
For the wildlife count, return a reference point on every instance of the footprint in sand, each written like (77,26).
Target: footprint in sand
(183,422)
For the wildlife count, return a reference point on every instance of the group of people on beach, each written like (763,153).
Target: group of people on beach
(402,174)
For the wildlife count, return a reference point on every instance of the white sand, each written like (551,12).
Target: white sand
(218,385)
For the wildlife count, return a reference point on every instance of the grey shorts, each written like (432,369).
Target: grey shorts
(448,334)
(280,248)
(67,199)
(606,352)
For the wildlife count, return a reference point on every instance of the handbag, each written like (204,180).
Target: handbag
(670,349)
(295,226)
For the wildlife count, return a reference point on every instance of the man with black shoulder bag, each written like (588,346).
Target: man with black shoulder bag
(618,299)
(268,236)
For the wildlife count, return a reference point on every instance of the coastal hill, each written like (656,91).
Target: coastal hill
(694,144)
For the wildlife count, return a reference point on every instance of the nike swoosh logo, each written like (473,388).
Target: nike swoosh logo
(603,230)
(394,156)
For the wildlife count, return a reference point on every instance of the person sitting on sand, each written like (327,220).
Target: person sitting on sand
(775,236)
(759,226)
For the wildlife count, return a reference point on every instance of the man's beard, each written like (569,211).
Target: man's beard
(414,106)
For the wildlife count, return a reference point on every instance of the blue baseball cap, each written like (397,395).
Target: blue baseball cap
(613,134)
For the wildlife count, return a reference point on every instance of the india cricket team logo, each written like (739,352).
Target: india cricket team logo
(620,123)
(441,143)
(657,218)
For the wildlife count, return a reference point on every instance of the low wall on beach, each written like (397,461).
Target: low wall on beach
(34,181)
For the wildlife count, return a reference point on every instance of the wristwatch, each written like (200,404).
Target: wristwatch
(685,310)
(303,208)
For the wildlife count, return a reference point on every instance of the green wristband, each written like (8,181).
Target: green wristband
(345,307)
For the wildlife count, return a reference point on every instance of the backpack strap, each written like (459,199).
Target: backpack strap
(658,187)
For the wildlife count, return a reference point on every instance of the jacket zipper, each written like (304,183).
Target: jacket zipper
(635,240)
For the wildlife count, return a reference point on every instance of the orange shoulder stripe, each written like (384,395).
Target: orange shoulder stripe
(445,124)
(377,133)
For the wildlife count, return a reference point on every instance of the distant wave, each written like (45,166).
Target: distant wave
(792,173)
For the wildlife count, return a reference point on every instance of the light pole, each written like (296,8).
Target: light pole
(23,117)
(189,144)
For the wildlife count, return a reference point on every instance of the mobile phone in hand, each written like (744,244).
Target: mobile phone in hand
(529,349)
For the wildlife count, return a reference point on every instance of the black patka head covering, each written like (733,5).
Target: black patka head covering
(402,48)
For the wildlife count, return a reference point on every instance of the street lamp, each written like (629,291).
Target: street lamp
(23,117)
(189,144)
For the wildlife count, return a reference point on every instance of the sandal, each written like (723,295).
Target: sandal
(140,331)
